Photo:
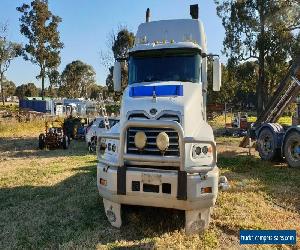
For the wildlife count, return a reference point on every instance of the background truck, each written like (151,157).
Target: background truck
(162,153)
(274,141)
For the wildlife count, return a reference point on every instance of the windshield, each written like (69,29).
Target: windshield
(164,66)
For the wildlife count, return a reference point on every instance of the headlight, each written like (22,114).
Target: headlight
(140,140)
(198,150)
(162,141)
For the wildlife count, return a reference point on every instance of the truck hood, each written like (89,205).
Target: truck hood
(182,98)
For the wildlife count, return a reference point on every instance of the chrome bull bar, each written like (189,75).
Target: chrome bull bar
(173,160)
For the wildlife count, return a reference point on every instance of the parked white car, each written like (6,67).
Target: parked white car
(94,128)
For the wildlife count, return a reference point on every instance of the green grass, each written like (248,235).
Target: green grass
(49,199)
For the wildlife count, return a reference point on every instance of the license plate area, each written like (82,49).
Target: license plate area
(153,179)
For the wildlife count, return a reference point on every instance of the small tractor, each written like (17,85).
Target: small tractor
(54,136)
(74,127)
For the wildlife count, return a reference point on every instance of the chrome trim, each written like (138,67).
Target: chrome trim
(143,163)
(152,158)
(171,112)
(129,113)
(157,116)
(180,160)
(112,136)
(153,124)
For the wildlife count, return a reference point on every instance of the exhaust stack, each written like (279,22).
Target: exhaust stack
(148,15)
(194,11)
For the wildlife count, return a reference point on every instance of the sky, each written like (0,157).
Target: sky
(86,25)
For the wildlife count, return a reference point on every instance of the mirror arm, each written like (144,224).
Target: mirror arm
(209,56)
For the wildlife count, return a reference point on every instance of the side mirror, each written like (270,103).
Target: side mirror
(216,74)
(117,78)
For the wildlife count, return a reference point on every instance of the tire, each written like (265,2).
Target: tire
(65,142)
(42,141)
(266,145)
(291,149)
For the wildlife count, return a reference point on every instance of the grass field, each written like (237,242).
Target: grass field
(49,199)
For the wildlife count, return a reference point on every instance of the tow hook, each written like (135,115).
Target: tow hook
(223,183)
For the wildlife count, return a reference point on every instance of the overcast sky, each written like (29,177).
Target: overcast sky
(86,24)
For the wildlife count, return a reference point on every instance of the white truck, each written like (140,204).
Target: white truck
(162,153)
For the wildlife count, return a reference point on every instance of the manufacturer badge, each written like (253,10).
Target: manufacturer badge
(153,111)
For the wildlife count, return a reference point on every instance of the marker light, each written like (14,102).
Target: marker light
(206,190)
(140,140)
(162,141)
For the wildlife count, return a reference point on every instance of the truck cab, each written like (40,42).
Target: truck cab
(162,153)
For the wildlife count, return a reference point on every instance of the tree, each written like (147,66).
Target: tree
(238,85)
(122,43)
(54,78)
(262,30)
(8,51)
(9,88)
(94,91)
(119,44)
(40,27)
(20,91)
(26,90)
(109,80)
(31,90)
(76,79)
(228,90)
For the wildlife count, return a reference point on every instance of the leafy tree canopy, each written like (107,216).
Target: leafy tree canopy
(40,27)
(9,88)
(27,90)
(120,45)
(76,80)
(8,51)
(265,31)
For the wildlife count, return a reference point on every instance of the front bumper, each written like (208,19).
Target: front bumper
(157,180)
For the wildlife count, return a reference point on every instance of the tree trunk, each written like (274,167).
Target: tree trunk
(2,90)
(261,89)
(43,86)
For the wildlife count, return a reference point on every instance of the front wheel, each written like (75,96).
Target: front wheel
(292,149)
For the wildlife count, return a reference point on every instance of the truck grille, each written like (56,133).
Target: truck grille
(151,148)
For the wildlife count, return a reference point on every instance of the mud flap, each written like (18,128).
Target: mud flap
(196,221)
(113,213)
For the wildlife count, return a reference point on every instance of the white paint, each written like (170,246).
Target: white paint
(171,34)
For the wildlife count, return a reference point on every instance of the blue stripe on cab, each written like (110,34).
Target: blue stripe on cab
(162,90)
